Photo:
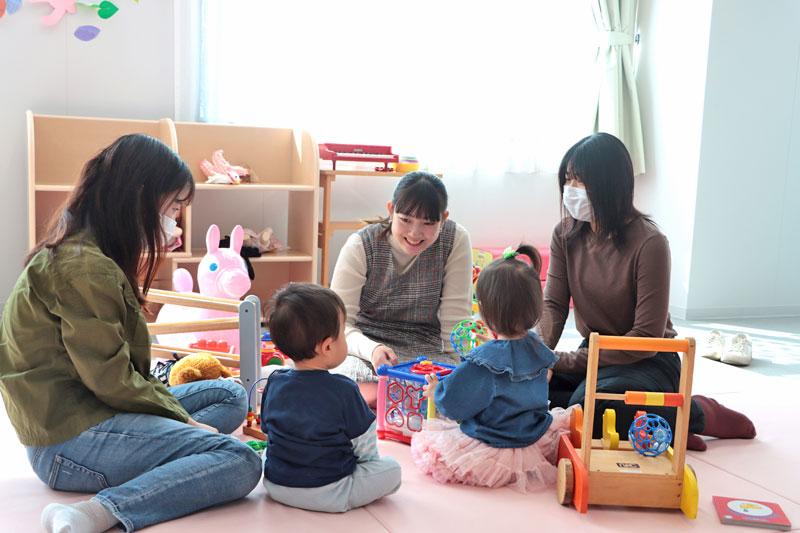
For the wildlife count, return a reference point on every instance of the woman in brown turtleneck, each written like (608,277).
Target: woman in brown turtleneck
(614,263)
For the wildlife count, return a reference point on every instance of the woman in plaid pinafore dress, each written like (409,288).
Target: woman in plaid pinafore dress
(406,282)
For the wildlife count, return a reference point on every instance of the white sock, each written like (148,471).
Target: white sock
(88,516)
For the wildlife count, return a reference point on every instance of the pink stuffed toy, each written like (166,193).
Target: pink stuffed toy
(221,273)
(218,170)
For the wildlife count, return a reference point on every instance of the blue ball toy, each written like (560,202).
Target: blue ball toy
(650,435)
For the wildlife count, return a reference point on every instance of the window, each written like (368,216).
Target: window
(465,87)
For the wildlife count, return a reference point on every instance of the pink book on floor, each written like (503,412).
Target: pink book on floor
(744,512)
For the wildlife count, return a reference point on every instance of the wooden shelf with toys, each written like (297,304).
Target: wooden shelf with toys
(281,256)
(281,163)
(272,270)
(282,166)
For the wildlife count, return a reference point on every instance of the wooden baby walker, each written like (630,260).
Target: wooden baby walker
(635,472)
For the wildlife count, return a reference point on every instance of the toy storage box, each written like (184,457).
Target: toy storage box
(401,409)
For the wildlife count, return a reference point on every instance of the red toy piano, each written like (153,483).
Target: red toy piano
(357,152)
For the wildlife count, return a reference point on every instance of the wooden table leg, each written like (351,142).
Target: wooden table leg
(326,182)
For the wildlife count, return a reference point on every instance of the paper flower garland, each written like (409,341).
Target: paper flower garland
(9,6)
(105,10)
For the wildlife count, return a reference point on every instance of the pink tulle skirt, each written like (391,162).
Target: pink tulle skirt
(450,456)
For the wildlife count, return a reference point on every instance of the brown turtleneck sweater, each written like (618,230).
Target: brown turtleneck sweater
(616,291)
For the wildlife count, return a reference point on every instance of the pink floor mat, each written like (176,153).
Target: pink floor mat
(767,468)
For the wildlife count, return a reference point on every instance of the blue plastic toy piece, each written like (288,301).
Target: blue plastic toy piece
(650,435)
(415,370)
(400,399)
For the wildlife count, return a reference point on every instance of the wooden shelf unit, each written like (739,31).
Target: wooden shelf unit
(59,147)
(282,160)
(253,187)
(282,256)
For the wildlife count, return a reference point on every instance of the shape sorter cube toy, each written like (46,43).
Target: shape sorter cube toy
(401,409)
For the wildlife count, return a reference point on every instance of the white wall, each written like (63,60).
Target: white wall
(127,71)
(745,255)
(671,83)
(720,103)
(720,97)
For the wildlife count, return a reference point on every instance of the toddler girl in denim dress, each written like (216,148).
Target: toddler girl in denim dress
(497,429)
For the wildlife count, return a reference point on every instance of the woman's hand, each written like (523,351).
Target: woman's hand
(195,423)
(430,385)
(382,355)
(549,374)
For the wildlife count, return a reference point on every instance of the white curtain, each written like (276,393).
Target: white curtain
(469,88)
(617,99)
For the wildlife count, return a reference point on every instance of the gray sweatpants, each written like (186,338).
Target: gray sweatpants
(373,478)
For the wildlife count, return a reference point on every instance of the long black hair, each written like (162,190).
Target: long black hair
(602,163)
(118,199)
(510,292)
(420,195)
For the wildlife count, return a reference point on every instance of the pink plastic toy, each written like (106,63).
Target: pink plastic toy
(218,170)
(401,407)
(221,273)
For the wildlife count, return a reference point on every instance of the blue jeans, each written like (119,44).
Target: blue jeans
(147,469)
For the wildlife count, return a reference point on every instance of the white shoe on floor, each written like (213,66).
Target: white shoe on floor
(740,352)
(714,347)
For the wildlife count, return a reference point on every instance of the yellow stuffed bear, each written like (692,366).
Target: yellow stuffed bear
(195,367)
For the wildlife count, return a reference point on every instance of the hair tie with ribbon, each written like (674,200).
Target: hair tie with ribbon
(510,253)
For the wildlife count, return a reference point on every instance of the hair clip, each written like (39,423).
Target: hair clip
(510,253)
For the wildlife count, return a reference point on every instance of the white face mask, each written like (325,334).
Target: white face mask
(576,201)
(168,225)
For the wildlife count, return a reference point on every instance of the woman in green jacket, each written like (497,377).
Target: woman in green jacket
(75,359)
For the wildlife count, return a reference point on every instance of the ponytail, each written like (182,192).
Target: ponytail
(533,255)
(510,292)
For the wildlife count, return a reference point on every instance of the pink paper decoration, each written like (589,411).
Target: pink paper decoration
(60,8)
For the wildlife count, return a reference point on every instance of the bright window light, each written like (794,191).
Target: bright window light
(467,87)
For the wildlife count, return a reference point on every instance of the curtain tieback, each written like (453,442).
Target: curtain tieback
(613,38)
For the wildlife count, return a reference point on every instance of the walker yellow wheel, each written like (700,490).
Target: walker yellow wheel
(566,482)
(689,493)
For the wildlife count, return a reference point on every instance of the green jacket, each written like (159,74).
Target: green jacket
(74,347)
